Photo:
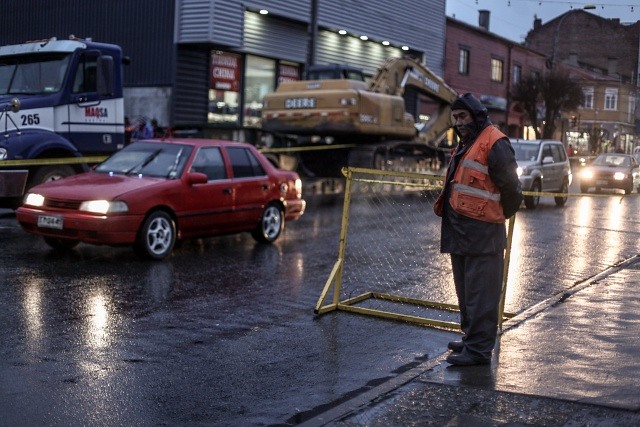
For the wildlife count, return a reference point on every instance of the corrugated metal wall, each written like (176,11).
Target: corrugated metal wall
(191,89)
(143,28)
(275,38)
(416,23)
(334,48)
(284,39)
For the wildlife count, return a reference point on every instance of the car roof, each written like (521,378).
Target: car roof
(615,155)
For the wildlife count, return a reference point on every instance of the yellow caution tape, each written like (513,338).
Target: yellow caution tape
(60,161)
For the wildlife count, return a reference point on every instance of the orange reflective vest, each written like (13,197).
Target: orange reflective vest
(473,193)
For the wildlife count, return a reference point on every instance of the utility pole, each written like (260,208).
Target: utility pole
(313,35)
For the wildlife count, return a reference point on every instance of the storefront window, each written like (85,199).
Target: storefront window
(224,91)
(260,80)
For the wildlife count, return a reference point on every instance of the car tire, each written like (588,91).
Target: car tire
(629,188)
(270,225)
(531,202)
(63,244)
(156,237)
(562,200)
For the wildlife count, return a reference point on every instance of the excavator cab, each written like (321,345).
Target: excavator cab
(335,71)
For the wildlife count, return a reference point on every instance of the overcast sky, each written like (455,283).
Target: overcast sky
(512,19)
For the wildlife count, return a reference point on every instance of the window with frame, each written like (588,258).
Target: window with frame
(611,99)
(463,61)
(497,67)
(517,74)
(260,77)
(86,75)
(209,161)
(588,98)
(244,163)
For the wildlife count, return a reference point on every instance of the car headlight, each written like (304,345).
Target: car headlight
(522,171)
(34,199)
(586,174)
(619,176)
(3,154)
(104,206)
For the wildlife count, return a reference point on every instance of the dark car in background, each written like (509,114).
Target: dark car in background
(611,171)
(153,193)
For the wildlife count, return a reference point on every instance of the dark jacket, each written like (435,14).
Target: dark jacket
(462,235)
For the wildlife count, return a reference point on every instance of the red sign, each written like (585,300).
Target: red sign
(288,73)
(225,71)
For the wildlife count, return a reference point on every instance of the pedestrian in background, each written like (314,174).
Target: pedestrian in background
(481,191)
(142,130)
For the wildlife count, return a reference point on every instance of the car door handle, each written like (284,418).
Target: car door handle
(265,187)
(226,191)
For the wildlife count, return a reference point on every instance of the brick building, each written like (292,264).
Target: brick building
(603,54)
(489,66)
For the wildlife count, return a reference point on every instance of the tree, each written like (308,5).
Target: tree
(545,97)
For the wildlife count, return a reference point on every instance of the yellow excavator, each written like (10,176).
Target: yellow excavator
(342,120)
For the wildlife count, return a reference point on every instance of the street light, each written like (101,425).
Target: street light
(552,60)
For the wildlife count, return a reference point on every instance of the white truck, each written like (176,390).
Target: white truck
(59,100)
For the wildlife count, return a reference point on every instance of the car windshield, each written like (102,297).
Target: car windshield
(525,152)
(612,160)
(154,159)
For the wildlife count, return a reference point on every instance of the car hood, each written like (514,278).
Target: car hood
(95,186)
(597,168)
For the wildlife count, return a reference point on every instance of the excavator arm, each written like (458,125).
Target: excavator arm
(397,74)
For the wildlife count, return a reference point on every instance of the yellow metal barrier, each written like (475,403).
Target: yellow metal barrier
(335,281)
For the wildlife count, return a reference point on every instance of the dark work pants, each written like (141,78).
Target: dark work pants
(478,281)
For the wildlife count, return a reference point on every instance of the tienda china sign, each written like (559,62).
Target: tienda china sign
(225,71)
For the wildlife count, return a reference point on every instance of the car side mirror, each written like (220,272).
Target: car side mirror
(547,160)
(197,178)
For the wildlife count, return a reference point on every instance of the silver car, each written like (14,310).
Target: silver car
(543,166)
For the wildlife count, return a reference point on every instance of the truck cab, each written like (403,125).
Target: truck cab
(58,99)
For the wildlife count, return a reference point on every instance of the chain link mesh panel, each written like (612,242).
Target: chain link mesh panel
(389,262)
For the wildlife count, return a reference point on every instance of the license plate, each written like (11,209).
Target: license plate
(602,182)
(50,222)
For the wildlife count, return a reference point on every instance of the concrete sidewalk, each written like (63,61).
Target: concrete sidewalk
(573,360)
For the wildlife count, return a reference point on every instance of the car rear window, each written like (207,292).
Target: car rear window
(244,163)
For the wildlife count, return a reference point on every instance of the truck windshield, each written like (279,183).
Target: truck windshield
(33,74)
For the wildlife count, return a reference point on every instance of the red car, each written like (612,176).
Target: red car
(154,192)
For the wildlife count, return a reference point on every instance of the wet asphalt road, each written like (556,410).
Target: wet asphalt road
(223,333)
